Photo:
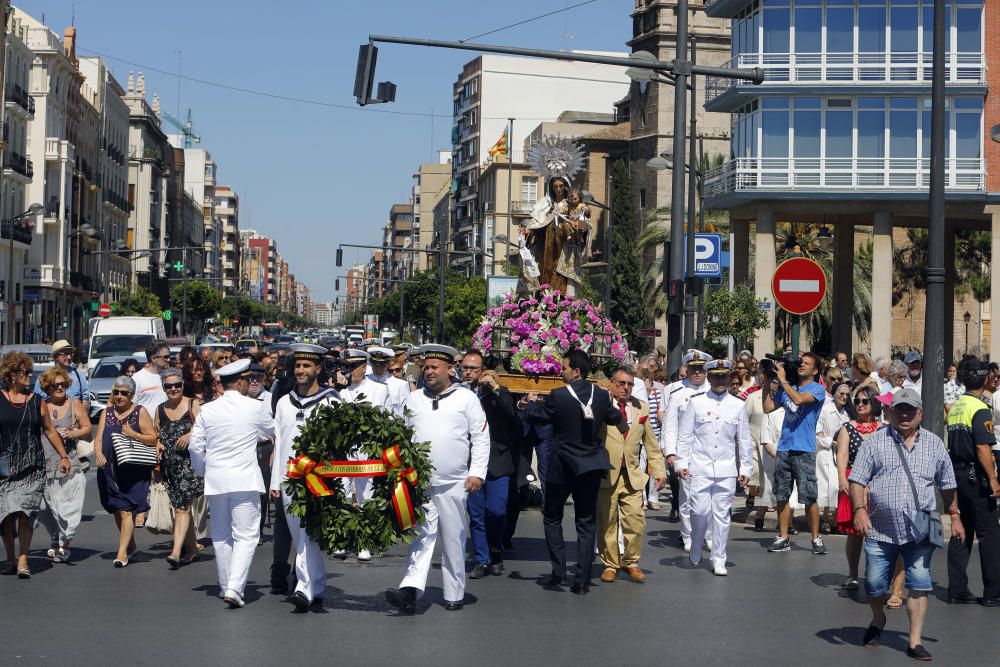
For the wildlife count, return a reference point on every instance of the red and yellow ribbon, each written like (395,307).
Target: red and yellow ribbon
(302,467)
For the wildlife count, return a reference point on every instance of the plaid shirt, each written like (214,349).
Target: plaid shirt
(890,497)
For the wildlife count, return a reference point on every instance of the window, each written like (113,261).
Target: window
(968,23)
(839,128)
(776,29)
(775,126)
(529,189)
(642,197)
(904,29)
(807,126)
(808,29)
(839,29)
(871,127)
(871,29)
(903,127)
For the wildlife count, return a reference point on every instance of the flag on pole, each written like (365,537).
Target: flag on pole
(500,146)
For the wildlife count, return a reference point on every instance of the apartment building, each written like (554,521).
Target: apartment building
(431,182)
(227,206)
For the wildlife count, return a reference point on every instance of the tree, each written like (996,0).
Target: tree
(139,301)
(626,309)
(972,262)
(203,304)
(736,314)
(464,307)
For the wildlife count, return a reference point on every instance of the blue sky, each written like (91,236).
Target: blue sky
(312,176)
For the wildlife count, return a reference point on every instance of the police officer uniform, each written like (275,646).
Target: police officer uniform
(678,395)
(709,428)
(397,388)
(291,413)
(970,426)
(223,450)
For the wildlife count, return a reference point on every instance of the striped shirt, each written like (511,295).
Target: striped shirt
(890,496)
(654,407)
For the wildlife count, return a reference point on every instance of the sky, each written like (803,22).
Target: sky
(309,175)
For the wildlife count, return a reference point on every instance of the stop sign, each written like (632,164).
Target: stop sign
(799,285)
(104,310)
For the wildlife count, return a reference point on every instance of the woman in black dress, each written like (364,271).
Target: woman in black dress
(22,420)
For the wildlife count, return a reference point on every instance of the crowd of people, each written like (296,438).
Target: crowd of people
(839,442)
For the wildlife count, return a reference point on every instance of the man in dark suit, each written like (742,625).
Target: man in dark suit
(487,507)
(577,464)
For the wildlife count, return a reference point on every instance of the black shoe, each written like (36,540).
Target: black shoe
(508,545)
(673,516)
(173,563)
(279,578)
(496,568)
(964,598)
(824,527)
(478,572)
(993,602)
(580,589)
(404,599)
(452,606)
(299,599)
(918,652)
(792,530)
(552,580)
(758,525)
(872,635)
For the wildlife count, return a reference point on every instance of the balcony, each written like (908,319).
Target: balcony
(22,233)
(17,97)
(724,9)
(522,207)
(19,164)
(58,150)
(846,175)
(823,73)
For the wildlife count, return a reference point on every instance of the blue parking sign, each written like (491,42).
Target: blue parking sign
(708,255)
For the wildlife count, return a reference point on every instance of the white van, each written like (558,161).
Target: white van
(122,336)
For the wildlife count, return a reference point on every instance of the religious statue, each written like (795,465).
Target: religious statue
(553,243)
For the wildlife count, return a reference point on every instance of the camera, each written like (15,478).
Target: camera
(791,364)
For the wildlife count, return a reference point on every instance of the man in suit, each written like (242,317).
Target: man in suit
(487,507)
(577,464)
(619,501)
(223,450)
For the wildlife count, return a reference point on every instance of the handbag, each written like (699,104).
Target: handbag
(84,448)
(132,452)
(925,522)
(160,518)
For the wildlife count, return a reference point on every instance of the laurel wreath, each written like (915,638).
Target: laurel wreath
(333,433)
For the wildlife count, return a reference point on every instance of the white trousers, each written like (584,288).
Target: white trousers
(711,502)
(684,508)
(62,507)
(361,487)
(445,514)
(235,531)
(827,479)
(310,563)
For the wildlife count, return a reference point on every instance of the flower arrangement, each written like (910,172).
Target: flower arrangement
(533,334)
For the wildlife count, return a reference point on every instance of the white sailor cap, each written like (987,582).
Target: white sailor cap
(441,352)
(308,352)
(719,367)
(370,342)
(696,358)
(235,369)
(354,356)
(380,353)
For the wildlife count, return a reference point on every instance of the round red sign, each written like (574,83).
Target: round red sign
(104,310)
(798,285)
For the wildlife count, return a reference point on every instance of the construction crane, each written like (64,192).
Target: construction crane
(186,129)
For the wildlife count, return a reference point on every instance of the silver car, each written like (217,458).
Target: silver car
(102,378)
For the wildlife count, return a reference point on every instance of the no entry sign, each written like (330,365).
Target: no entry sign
(104,310)
(799,285)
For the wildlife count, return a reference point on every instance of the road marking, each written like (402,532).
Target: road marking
(798,286)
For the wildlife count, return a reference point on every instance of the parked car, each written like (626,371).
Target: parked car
(102,378)
(122,336)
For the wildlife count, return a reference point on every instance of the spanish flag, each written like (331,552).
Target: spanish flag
(500,146)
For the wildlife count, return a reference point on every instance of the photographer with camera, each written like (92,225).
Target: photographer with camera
(796,457)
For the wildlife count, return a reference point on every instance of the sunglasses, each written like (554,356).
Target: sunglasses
(396,371)
(120,392)
(173,385)
(256,379)
(61,385)
(861,401)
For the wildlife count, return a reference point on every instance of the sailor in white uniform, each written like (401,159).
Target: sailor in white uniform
(398,389)
(712,429)
(291,412)
(678,395)
(450,417)
(223,450)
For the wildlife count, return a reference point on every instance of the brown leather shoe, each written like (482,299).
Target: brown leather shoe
(635,574)
(608,575)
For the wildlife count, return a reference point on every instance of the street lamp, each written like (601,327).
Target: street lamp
(32,211)
(966,318)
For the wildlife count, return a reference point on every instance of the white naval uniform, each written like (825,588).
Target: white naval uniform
(397,389)
(678,395)
(223,450)
(827,478)
(460,448)
(290,413)
(712,429)
(374,393)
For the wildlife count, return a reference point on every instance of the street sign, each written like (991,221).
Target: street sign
(707,255)
(799,285)
(167,315)
(650,333)
(104,310)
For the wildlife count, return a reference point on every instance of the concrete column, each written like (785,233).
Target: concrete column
(949,295)
(739,251)
(880,336)
(763,272)
(843,287)
(994,212)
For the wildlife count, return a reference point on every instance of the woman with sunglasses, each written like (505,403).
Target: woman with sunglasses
(197,381)
(63,507)
(22,421)
(866,418)
(174,419)
(124,488)
(833,415)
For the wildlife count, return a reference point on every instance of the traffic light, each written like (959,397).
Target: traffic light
(336,285)
(364,78)
(340,256)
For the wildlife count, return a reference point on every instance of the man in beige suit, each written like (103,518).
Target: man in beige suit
(619,501)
